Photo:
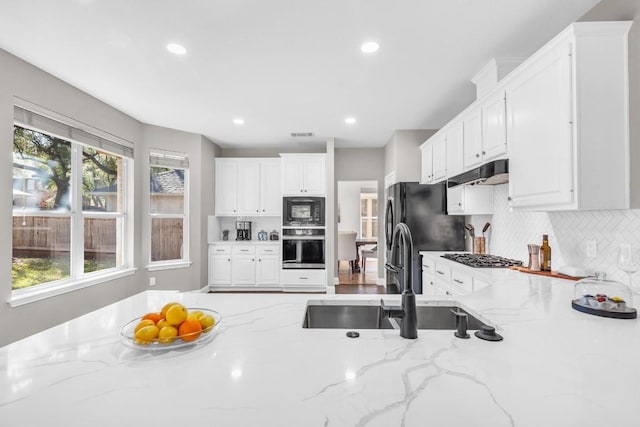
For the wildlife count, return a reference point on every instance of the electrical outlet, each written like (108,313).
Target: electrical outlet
(592,249)
(152,281)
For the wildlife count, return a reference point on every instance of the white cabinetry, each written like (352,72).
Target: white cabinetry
(244,266)
(455,140)
(470,200)
(247,187)
(303,174)
(472,144)
(434,160)
(303,280)
(567,122)
(494,126)
(443,277)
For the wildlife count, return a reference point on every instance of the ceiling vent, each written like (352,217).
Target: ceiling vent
(301,134)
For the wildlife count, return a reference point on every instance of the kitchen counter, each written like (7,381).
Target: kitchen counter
(555,367)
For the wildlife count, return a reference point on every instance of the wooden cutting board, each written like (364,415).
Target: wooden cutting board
(545,273)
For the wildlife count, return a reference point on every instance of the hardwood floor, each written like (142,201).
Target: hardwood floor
(359,283)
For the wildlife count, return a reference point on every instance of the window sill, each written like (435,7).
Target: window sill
(46,291)
(168,265)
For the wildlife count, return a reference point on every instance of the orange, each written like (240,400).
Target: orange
(176,314)
(190,330)
(156,317)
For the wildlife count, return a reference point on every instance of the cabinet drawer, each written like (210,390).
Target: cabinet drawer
(219,249)
(443,271)
(428,266)
(462,280)
(244,250)
(268,249)
(295,277)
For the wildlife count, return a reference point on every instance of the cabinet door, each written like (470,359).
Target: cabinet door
(539,131)
(226,187)
(220,270)
(270,195)
(313,176)
(243,270)
(268,270)
(426,151)
(494,127)
(248,188)
(292,176)
(472,146)
(455,200)
(439,159)
(455,159)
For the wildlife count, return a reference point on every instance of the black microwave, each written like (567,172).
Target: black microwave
(301,211)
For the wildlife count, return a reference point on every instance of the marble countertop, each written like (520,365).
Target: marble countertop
(555,367)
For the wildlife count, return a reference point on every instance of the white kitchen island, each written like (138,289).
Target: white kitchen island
(555,367)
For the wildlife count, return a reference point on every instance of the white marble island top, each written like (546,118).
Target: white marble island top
(555,367)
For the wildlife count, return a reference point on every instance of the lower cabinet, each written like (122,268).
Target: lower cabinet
(440,277)
(296,279)
(244,266)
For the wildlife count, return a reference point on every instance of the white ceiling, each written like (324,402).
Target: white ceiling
(283,65)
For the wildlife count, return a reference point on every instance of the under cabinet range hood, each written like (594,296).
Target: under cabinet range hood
(492,173)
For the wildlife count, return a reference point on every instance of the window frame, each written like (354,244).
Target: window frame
(173,160)
(78,279)
(369,219)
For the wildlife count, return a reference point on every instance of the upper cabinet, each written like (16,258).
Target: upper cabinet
(303,174)
(434,160)
(494,126)
(472,139)
(247,187)
(567,122)
(455,141)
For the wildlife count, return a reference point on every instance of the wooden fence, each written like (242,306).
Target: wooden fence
(36,235)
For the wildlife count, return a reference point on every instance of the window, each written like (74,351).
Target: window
(168,208)
(368,214)
(69,204)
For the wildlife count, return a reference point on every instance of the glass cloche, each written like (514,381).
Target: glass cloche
(602,297)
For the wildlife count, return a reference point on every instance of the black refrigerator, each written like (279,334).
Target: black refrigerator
(423,208)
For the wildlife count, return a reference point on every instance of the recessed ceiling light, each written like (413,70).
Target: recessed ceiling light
(350,120)
(238,121)
(177,49)
(369,47)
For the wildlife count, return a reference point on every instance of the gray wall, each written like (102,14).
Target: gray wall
(20,79)
(273,151)
(627,10)
(361,164)
(402,154)
(23,80)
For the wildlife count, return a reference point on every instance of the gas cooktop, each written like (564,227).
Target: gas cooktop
(482,261)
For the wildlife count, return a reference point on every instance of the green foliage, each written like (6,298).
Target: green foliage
(27,272)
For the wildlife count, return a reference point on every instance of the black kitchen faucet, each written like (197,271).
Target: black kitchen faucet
(407,312)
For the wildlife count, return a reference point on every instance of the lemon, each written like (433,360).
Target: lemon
(196,314)
(191,316)
(176,314)
(147,333)
(207,321)
(162,323)
(142,324)
(166,308)
(167,334)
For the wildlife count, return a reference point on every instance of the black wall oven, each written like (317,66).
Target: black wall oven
(303,211)
(303,248)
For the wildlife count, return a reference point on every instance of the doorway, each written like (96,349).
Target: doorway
(358,232)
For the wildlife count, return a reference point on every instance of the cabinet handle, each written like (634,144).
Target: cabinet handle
(234,210)
(303,278)
(477,155)
(484,152)
(252,259)
(229,259)
(219,250)
(447,292)
(458,281)
(431,283)
(257,210)
(259,260)
(439,272)
(268,250)
(426,266)
(509,198)
(459,204)
(244,250)
(262,210)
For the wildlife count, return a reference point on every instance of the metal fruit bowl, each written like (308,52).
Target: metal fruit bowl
(127,334)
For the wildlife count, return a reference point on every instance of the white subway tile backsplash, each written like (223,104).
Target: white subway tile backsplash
(568,232)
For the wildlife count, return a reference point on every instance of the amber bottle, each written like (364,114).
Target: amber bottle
(545,254)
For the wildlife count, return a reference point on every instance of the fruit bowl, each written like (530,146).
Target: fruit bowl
(128,338)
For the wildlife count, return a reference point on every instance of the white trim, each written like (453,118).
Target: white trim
(40,292)
(164,265)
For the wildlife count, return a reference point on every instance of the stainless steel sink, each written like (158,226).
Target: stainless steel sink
(336,314)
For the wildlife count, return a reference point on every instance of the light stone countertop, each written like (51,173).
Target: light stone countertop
(555,367)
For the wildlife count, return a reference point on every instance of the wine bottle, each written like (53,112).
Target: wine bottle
(545,254)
